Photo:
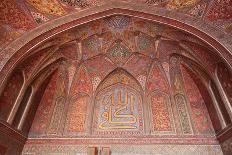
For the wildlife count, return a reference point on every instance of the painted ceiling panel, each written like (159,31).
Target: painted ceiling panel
(19,16)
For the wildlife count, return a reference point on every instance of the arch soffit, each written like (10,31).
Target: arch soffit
(217,39)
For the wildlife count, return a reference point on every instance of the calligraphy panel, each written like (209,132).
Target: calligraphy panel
(119,110)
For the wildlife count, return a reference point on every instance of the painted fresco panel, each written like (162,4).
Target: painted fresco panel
(225,77)
(81,83)
(125,149)
(76,117)
(157,79)
(44,111)
(10,94)
(57,116)
(99,65)
(181,105)
(138,64)
(200,117)
(161,113)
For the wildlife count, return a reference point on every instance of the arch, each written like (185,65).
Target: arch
(119,75)
(206,86)
(120,94)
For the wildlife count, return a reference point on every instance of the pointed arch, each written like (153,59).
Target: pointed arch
(121,76)
(157,79)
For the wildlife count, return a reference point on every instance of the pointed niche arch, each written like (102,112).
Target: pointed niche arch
(160,111)
(118,108)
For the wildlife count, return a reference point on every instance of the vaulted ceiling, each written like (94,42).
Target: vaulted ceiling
(19,16)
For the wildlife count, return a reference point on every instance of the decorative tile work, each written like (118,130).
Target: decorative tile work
(76,4)
(219,13)
(142,81)
(144,42)
(76,117)
(92,75)
(118,110)
(95,82)
(220,10)
(199,9)
(39,18)
(8,34)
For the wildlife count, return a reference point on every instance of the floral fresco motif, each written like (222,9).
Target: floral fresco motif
(160,112)
(45,109)
(157,79)
(201,120)
(51,7)
(76,117)
(81,83)
(118,81)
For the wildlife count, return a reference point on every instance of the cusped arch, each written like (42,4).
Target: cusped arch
(118,105)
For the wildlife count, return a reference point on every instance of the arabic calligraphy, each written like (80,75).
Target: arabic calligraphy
(119,110)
